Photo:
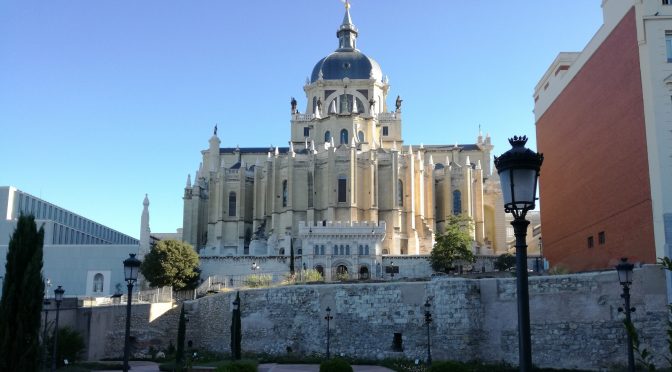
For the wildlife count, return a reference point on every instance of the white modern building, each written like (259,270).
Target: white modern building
(81,255)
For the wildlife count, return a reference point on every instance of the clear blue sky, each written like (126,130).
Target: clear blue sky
(104,101)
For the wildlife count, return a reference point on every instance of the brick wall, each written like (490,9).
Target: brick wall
(595,174)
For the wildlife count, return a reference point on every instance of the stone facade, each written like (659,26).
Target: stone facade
(574,319)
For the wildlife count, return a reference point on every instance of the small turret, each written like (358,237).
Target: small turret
(144,228)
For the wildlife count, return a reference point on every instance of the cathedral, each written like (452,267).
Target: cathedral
(347,190)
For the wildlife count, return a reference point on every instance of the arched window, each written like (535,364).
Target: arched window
(98,283)
(232,204)
(320,269)
(335,252)
(360,136)
(284,193)
(400,193)
(344,136)
(457,202)
(347,250)
(366,249)
(316,249)
(327,136)
(342,196)
(360,250)
(282,251)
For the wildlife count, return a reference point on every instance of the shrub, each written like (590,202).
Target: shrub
(448,366)
(558,270)
(167,366)
(238,366)
(258,280)
(70,346)
(342,277)
(335,365)
(311,275)
(505,261)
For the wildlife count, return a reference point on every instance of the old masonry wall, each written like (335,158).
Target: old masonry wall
(575,321)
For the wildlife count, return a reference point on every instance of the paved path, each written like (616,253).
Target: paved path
(141,366)
(313,368)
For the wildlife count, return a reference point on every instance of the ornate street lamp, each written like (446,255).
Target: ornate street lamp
(58,297)
(518,171)
(428,321)
(131,268)
(392,269)
(624,269)
(328,318)
(255,266)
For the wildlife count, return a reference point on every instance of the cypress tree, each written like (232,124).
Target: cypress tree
(21,302)
(181,330)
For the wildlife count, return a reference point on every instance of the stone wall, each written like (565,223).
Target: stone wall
(575,322)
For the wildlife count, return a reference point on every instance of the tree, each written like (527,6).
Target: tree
(181,330)
(21,302)
(236,333)
(505,262)
(454,244)
(171,262)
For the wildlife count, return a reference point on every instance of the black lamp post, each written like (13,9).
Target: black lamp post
(131,267)
(624,269)
(235,352)
(45,350)
(428,321)
(392,269)
(58,297)
(518,171)
(328,318)
(45,303)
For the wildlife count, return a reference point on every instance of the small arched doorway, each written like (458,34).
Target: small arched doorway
(364,272)
(320,270)
(342,273)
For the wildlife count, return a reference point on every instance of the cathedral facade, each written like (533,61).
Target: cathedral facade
(347,190)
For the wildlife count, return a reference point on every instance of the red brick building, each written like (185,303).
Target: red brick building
(600,120)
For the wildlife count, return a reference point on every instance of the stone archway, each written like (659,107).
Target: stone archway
(340,272)
(364,272)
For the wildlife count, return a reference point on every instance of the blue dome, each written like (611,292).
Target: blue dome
(351,63)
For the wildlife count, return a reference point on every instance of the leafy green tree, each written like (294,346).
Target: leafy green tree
(505,261)
(171,262)
(453,245)
(181,330)
(21,302)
